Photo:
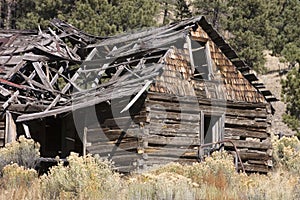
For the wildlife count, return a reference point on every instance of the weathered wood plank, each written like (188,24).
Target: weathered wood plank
(125,169)
(38,68)
(1,142)
(174,128)
(171,152)
(110,147)
(95,136)
(174,116)
(64,90)
(2,134)
(246,154)
(15,69)
(173,134)
(245,133)
(162,160)
(250,144)
(172,141)
(246,123)
(192,108)
(255,168)
(221,103)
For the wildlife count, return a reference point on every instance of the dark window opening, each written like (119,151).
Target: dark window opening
(200,60)
(212,129)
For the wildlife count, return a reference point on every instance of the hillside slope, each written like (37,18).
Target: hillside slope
(272,82)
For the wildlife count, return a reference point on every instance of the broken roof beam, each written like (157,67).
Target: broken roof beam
(4,92)
(38,68)
(147,84)
(11,99)
(11,84)
(56,76)
(85,103)
(64,90)
(15,69)
(99,75)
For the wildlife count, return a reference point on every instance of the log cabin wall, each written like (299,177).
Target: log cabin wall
(248,114)
(173,119)
(117,136)
(247,125)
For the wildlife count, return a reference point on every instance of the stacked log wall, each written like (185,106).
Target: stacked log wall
(117,136)
(247,125)
(173,125)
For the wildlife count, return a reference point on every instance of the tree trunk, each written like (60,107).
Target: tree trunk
(8,14)
(166,11)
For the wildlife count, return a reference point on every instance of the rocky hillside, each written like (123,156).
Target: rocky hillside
(272,82)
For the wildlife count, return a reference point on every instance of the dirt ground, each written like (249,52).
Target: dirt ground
(272,82)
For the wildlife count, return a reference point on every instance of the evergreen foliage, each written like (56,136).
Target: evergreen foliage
(182,10)
(99,17)
(215,11)
(291,96)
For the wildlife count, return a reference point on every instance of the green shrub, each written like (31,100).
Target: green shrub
(84,177)
(16,176)
(24,152)
(215,178)
(287,153)
(165,185)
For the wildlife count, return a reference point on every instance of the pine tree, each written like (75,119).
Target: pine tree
(99,17)
(216,12)
(182,10)
(40,13)
(291,96)
(247,24)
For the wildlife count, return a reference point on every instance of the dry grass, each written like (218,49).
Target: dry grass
(92,178)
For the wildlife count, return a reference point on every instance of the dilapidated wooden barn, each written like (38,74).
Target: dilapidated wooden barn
(172,93)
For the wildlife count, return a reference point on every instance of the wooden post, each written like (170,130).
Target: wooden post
(189,46)
(84,138)
(10,129)
(27,132)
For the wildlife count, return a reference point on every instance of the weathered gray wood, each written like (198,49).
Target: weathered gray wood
(11,99)
(162,160)
(38,68)
(246,133)
(84,141)
(110,146)
(174,116)
(118,72)
(246,154)
(2,134)
(189,47)
(64,90)
(256,168)
(56,76)
(10,129)
(4,92)
(171,152)
(250,144)
(174,128)
(1,143)
(26,130)
(15,69)
(147,84)
(172,141)
(33,83)
(249,123)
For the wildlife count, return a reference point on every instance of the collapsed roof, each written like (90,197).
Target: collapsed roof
(46,73)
